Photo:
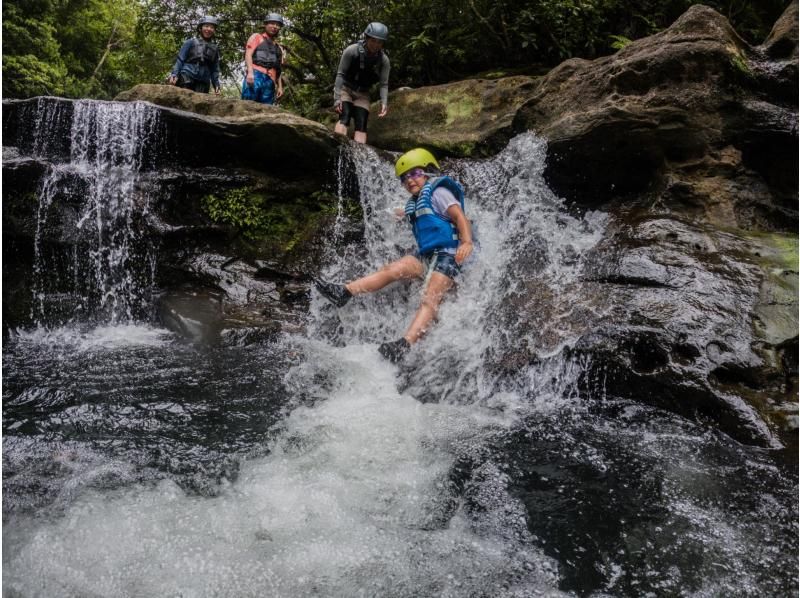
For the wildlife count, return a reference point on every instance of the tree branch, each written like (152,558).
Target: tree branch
(503,40)
(110,45)
(316,40)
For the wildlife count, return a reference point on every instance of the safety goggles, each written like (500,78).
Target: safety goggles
(414,172)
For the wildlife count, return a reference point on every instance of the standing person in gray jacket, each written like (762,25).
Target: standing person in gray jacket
(363,64)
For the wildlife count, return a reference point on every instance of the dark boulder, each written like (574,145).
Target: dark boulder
(692,116)
(696,321)
(248,183)
(208,130)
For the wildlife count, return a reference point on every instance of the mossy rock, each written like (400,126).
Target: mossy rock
(467,118)
(777,309)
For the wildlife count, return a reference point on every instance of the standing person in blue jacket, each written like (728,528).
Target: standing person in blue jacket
(197,67)
(362,65)
(443,234)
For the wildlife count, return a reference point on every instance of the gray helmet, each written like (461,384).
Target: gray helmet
(206,20)
(274,17)
(377,30)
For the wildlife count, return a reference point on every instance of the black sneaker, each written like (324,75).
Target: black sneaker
(394,350)
(335,293)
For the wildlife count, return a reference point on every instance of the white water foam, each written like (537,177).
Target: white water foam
(106,337)
(353,500)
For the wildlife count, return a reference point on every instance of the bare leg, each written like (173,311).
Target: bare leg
(360,136)
(340,128)
(403,269)
(438,285)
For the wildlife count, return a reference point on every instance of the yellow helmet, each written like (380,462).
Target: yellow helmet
(415,158)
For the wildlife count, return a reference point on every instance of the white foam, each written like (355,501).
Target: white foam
(100,338)
(353,499)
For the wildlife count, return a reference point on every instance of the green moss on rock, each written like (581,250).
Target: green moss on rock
(268,227)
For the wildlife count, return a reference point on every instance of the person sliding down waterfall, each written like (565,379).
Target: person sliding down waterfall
(435,211)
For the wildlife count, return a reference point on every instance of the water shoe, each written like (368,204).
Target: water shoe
(394,350)
(335,293)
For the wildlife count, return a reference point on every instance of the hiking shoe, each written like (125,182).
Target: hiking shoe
(335,293)
(394,350)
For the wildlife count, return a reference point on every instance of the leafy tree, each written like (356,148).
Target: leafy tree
(97,48)
(77,48)
(32,63)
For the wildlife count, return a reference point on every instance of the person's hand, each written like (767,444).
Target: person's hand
(279,93)
(463,252)
(250,79)
(217,91)
(399,214)
(384,110)
(173,79)
(338,107)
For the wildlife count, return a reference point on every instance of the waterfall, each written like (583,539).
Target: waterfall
(98,153)
(310,466)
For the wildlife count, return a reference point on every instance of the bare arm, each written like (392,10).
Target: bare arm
(248,61)
(458,217)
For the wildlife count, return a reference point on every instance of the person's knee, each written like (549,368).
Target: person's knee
(360,116)
(395,271)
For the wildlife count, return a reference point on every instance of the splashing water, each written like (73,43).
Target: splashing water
(473,469)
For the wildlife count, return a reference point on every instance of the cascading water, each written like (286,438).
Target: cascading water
(111,268)
(135,466)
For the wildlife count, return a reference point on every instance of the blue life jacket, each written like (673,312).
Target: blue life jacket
(431,230)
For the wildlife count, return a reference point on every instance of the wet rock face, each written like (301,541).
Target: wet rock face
(191,160)
(689,140)
(671,114)
(233,300)
(781,43)
(206,130)
(693,116)
(680,303)
(670,313)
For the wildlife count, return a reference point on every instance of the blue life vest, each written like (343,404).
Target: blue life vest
(431,230)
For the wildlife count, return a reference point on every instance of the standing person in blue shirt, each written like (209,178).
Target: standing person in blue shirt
(443,234)
(197,67)
(362,65)
(264,58)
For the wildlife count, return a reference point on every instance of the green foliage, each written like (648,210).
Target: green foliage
(34,65)
(619,41)
(25,76)
(740,64)
(79,48)
(264,224)
(96,48)
(240,208)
